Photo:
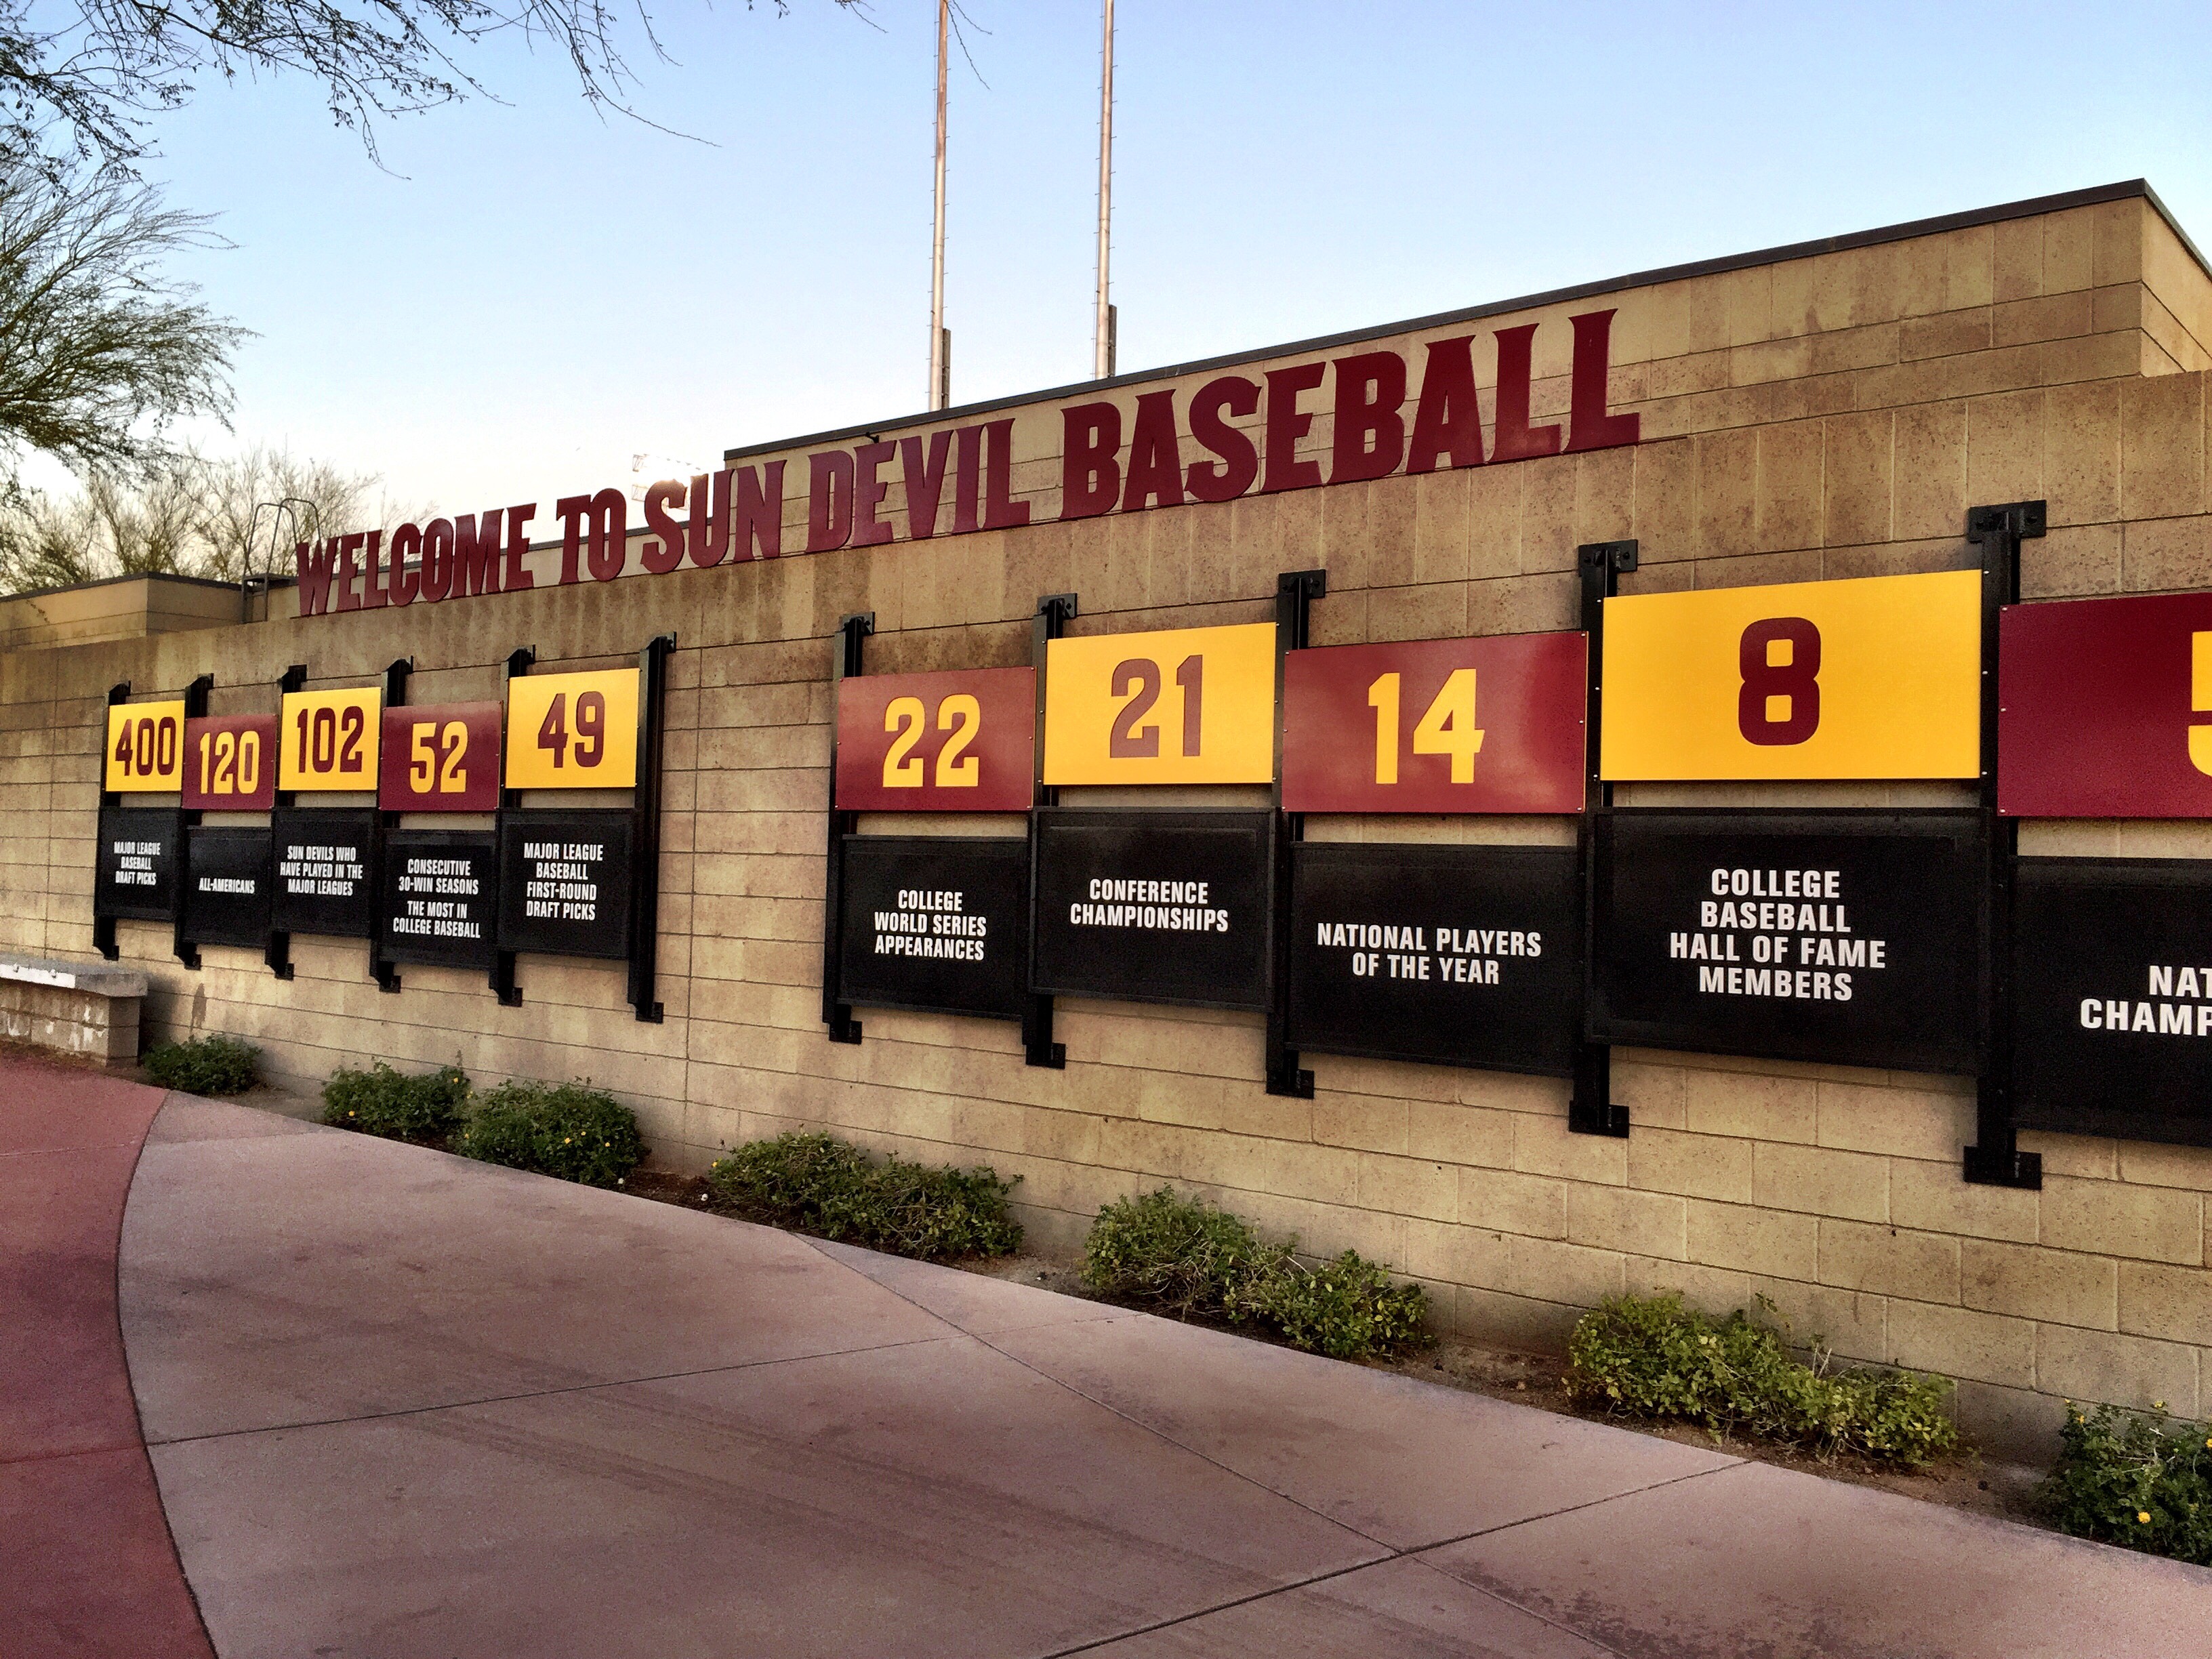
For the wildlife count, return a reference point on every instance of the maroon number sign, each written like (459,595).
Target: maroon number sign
(441,757)
(230,764)
(964,741)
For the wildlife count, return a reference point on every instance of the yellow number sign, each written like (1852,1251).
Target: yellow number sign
(145,747)
(573,731)
(1873,677)
(328,739)
(1192,705)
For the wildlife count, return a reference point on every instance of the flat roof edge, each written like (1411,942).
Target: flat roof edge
(2096,195)
(127,576)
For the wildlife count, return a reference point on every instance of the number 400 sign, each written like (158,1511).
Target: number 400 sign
(573,731)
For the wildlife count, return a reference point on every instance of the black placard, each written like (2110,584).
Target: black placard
(440,897)
(936,922)
(1852,938)
(226,885)
(324,878)
(1458,956)
(564,882)
(1153,906)
(2112,997)
(137,868)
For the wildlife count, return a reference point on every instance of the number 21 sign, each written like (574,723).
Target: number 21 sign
(1877,677)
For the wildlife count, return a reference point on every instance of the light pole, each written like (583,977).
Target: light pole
(1103,339)
(940,338)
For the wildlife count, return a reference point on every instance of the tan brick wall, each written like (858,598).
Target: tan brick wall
(1826,417)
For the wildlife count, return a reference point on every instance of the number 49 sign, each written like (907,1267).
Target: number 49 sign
(573,731)
(1878,676)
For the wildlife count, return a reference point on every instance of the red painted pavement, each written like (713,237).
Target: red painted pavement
(86,1566)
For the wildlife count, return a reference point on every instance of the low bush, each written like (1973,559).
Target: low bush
(813,1184)
(570,1130)
(212,1065)
(1185,1257)
(1652,1357)
(2142,1480)
(423,1108)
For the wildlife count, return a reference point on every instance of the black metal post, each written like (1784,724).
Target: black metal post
(645,856)
(386,974)
(103,927)
(519,662)
(853,634)
(195,708)
(1590,1109)
(1053,612)
(1295,593)
(1995,1159)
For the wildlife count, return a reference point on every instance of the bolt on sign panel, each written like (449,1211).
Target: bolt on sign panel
(140,852)
(1455,956)
(937,922)
(2112,1005)
(1490,725)
(1190,705)
(145,748)
(573,731)
(958,742)
(564,882)
(1848,938)
(441,757)
(326,878)
(329,739)
(1873,677)
(440,893)
(1153,906)
(230,763)
(226,889)
(2106,708)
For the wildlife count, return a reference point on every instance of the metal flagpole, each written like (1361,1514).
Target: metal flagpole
(940,342)
(1104,338)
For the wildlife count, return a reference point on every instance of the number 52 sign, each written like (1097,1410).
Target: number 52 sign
(1873,677)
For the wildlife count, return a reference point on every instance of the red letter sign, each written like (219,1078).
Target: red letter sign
(1491,725)
(230,764)
(958,742)
(439,757)
(2106,708)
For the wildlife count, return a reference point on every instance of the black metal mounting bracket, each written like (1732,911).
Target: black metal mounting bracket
(1295,593)
(1048,623)
(103,927)
(854,631)
(196,708)
(519,662)
(644,862)
(1995,1159)
(1591,1109)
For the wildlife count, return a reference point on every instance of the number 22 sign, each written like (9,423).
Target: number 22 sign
(964,741)
(573,731)
(1876,677)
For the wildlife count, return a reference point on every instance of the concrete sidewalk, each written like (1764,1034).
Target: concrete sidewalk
(403,1405)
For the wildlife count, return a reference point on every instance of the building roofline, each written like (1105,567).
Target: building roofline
(128,576)
(2127,190)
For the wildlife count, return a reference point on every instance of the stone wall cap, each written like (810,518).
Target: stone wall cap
(94,978)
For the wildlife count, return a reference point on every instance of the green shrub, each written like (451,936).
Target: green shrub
(813,1184)
(2140,1480)
(383,1102)
(1183,1256)
(1178,1254)
(1347,1308)
(567,1129)
(1651,1356)
(212,1065)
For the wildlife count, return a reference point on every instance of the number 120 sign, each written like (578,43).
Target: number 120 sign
(1878,676)
(573,731)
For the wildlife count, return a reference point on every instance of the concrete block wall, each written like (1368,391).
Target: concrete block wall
(1791,434)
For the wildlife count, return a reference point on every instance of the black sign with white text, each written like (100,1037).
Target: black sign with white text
(936,922)
(440,888)
(325,880)
(2112,997)
(564,882)
(227,886)
(138,859)
(1850,938)
(1153,906)
(1458,956)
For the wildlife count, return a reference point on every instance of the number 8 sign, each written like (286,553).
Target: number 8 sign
(573,731)
(1877,677)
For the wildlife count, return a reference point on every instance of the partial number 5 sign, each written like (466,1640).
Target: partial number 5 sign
(573,731)
(958,742)
(1878,676)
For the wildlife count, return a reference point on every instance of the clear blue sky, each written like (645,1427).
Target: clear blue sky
(531,294)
